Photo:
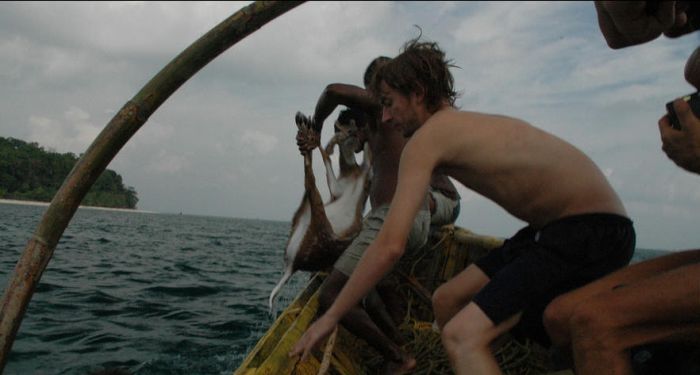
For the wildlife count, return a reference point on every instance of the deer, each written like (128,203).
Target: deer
(320,231)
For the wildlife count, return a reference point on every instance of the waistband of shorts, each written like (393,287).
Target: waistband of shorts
(605,217)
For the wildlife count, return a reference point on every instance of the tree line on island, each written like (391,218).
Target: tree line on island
(29,172)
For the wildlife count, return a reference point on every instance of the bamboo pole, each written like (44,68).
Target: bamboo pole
(119,130)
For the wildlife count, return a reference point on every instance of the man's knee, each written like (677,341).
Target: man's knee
(456,339)
(466,333)
(592,325)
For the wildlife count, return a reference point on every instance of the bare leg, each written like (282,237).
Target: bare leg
(376,308)
(454,295)
(394,304)
(360,324)
(665,307)
(467,338)
(558,314)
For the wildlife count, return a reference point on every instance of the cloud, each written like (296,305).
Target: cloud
(74,132)
(227,135)
(165,162)
(258,141)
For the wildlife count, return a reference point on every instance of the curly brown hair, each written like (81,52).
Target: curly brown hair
(420,66)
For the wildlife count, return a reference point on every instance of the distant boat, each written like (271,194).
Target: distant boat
(450,250)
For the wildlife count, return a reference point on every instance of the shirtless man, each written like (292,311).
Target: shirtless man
(385,143)
(657,300)
(577,232)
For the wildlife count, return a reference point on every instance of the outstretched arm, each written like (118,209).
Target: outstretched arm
(337,94)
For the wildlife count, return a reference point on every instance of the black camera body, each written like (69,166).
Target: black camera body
(693,101)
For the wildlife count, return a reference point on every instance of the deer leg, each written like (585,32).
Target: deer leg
(319,220)
(333,185)
(366,158)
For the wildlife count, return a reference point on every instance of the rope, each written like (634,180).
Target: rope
(446,231)
(328,352)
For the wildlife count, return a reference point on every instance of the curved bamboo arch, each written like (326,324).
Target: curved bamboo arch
(104,148)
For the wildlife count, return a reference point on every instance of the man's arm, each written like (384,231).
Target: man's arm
(337,94)
(334,95)
(627,23)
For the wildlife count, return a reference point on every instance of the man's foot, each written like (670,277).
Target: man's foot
(395,368)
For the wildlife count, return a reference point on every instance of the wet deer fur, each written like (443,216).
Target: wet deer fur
(321,232)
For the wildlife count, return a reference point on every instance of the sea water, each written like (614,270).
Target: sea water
(149,293)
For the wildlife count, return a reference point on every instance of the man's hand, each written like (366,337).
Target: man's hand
(682,146)
(627,23)
(307,140)
(313,336)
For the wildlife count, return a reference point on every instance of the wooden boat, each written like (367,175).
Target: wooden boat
(449,251)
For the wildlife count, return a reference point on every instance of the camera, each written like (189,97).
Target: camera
(693,101)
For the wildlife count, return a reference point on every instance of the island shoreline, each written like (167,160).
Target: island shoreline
(38,203)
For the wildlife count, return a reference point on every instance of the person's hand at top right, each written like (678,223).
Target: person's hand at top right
(682,145)
(627,23)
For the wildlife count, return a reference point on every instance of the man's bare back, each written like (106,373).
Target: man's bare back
(386,144)
(533,175)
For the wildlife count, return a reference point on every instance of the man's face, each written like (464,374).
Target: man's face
(352,137)
(399,110)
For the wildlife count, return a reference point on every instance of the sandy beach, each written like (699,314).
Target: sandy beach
(35,203)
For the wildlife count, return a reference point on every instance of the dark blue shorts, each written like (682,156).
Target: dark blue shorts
(533,267)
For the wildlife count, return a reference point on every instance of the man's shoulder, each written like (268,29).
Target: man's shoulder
(453,115)
(445,121)
(472,119)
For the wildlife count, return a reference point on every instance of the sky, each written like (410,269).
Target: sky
(223,144)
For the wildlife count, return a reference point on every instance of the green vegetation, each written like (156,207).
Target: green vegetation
(28,172)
